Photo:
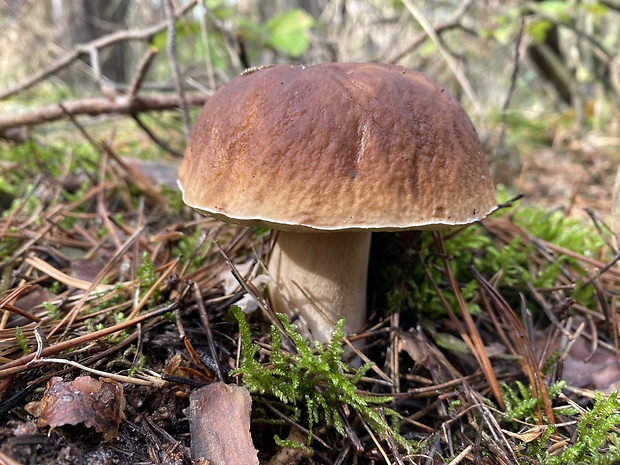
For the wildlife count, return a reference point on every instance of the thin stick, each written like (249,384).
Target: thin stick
(297,426)
(99,106)
(20,365)
(261,302)
(138,78)
(154,138)
(452,63)
(511,90)
(459,458)
(418,40)
(8,307)
(169,268)
(120,378)
(174,64)
(204,317)
(376,441)
(7,460)
(204,35)
(72,315)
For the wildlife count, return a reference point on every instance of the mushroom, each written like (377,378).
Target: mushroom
(326,154)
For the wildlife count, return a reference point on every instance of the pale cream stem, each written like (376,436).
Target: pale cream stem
(324,276)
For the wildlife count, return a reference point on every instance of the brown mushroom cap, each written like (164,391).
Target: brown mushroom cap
(338,146)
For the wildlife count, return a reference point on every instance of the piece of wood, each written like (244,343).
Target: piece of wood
(219,421)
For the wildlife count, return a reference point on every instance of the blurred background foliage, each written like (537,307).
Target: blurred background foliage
(548,71)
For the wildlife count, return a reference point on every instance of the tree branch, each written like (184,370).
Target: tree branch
(138,78)
(174,64)
(99,106)
(454,66)
(418,40)
(90,48)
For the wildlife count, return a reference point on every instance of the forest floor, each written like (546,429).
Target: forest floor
(121,279)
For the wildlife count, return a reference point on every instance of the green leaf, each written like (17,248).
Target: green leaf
(538,28)
(220,9)
(506,33)
(595,9)
(558,9)
(289,32)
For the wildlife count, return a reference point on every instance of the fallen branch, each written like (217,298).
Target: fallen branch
(98,106)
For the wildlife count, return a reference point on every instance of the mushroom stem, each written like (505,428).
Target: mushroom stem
(323,276)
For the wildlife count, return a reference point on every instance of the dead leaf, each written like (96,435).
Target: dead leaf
(529,435)
(97,404)
(424,353)
(598,371)
(585,368)
(219,422)
(86,269)
(34,297)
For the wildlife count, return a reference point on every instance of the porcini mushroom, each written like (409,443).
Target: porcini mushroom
(326,154)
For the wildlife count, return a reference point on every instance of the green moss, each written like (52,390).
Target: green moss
(596,441)
(147,277)
(510,264)
(22,340)
(521,404)
(313,382)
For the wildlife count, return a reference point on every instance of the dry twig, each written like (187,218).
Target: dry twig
(98,106)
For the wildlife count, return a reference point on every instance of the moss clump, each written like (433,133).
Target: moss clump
(314,382)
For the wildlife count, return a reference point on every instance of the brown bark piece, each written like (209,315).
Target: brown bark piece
(219,419)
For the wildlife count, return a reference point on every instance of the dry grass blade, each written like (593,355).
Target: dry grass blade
(523,344)
(103,269)
(460,457)
(204,318)
(168,269)
(7,460)
(64,278)
(391,442)
(499,441)
(8,307)
(297,426)
(21,364)
(204,372)
(472,336)
(452,63)
(262,303)
(69,319)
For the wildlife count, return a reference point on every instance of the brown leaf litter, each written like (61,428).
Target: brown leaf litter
(97,404)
